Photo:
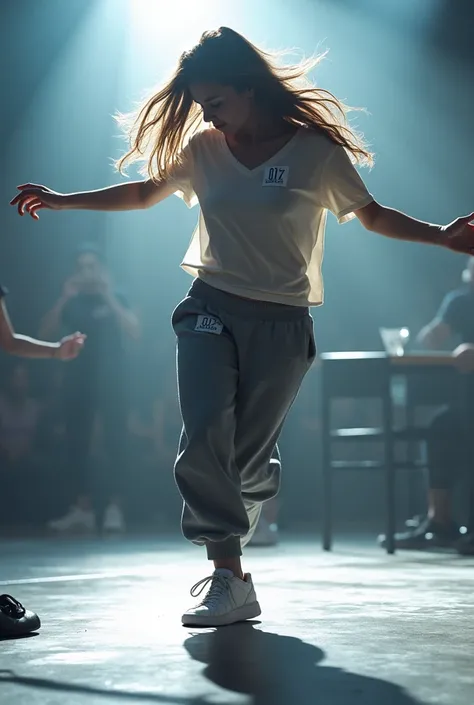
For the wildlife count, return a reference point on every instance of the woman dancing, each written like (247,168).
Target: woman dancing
(278,155)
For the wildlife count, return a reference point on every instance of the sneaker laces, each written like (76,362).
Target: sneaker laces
(219,586)
(11,607)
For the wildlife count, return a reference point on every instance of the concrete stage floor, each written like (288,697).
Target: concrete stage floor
(355,627)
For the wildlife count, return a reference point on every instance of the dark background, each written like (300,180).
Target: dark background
(67,67)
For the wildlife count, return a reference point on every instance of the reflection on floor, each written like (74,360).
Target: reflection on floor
(355,627)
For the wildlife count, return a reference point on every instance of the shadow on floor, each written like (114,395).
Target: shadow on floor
(272,669)
(283,670)
(7,676)
(20,637)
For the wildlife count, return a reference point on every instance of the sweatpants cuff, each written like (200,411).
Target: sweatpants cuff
(229,548)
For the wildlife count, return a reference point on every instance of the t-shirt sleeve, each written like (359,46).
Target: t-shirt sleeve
(451,311)
(181,175)
(342,190)
(3,291)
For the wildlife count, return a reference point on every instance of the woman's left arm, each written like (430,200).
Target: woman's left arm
(457,235)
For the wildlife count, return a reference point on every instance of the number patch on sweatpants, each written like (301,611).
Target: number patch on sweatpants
(209,324)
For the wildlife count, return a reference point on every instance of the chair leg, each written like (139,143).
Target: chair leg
(326,482)
(390,507)
(327,510)
(389,474)
(470,524)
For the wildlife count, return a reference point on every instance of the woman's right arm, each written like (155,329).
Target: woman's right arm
(133,195)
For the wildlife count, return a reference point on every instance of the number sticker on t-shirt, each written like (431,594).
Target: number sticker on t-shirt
(276,176)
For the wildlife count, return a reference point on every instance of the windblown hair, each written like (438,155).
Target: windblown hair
(161,128)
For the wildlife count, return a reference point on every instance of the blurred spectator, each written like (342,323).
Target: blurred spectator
(19,461)
(19,415)
(156,434)
(94,390)
(53,427)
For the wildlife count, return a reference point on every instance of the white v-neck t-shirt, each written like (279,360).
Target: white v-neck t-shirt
(260,232)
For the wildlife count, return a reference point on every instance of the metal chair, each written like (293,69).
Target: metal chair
(371,376)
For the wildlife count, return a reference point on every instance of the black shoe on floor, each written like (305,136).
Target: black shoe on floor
(465,545)
(422,534)
(15,620)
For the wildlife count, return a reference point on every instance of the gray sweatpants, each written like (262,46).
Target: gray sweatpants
(240,365)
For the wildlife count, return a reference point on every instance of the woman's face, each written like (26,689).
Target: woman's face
(226,108)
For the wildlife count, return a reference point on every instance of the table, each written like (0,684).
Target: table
(371,374)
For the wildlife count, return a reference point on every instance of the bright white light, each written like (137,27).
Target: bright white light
(157,24)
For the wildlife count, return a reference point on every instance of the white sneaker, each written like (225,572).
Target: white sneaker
(113,519)
(228,600)
(76,519)
(265,534)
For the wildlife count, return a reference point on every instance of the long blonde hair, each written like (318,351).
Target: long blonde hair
(161,127)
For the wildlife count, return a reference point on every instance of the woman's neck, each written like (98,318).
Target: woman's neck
(262,130)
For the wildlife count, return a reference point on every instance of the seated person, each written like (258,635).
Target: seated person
(448,447)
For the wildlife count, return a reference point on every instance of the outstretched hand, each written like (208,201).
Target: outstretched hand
(70,346)
(459,235)
(33,197)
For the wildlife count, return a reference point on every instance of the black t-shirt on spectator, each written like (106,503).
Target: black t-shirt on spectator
(92,315)
(457,311)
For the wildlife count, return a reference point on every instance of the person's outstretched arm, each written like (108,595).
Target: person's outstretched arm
(457,235)
(133,195)
(24,346)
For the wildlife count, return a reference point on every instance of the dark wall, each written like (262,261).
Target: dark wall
(411,64)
